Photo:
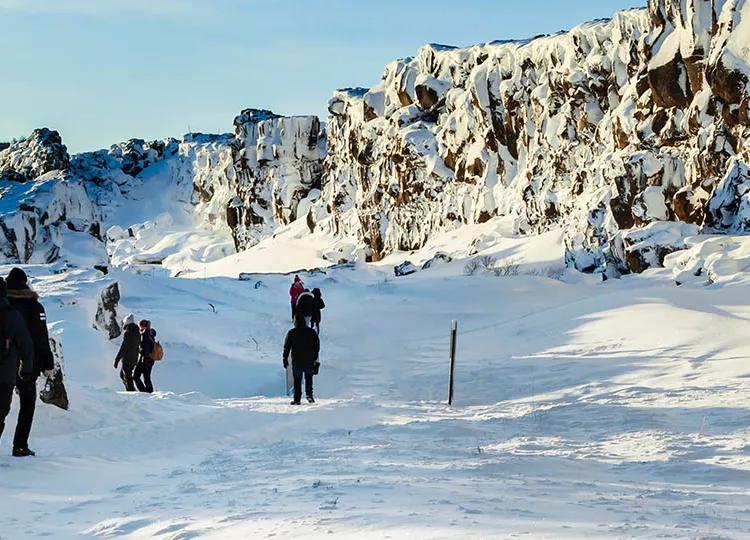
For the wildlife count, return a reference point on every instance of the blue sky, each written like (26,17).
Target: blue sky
(103,71)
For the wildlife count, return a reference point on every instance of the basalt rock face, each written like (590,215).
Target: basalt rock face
(277,170)
(264,176)
(611,126)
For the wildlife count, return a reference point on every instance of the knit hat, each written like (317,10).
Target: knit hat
(17,279)
(129,319)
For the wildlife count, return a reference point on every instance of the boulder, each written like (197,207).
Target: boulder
(404,269)
(648,247)
(106,319)
(438,258)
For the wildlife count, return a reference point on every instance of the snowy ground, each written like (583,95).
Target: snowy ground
(583,409)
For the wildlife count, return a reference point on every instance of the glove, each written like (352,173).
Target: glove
(286,363)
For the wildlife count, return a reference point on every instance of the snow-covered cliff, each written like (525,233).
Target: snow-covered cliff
(608,127)
(249,183)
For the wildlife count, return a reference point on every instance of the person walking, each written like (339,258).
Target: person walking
(303,345)
(295,290)
(318,304)
(128,353)
(26,303)
(16,371)
(305,303)
(145,361)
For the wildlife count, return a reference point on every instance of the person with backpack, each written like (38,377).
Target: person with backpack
(318,304)
(305,303)
(128,353)
(26,303)
(16,371)
(145,358)
(303,345)
(295,290)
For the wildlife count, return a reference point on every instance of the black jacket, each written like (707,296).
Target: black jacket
(305,304)
(19,356)
(148,340)
(304,345)
(27,304)
(131,345)
(318,304)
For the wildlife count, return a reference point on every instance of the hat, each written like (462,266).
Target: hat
(17,279)
(129,319)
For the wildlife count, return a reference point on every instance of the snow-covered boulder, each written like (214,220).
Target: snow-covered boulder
(438,258)
(406,268)
(647,247)
(709,260)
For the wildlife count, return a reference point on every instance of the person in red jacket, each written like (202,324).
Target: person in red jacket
(295,290)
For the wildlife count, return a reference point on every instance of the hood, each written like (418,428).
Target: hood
(24,292)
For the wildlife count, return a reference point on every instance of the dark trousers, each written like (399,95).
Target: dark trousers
(294,310)
(143,369)
(126,376)
(298,373)
(27,404)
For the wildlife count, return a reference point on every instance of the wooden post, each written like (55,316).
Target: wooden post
(454,331)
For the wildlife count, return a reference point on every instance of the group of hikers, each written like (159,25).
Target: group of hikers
(25,353)
(138,354)
(302,342)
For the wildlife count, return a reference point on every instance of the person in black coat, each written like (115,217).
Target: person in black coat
(16,371)
(303,344)
(318,304)
(26,302)
(128,353)
(145,363)
(305,306)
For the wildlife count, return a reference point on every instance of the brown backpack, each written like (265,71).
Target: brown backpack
(158,352)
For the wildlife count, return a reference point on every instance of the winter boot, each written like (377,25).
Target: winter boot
(22,452)
(294,402)
(310,399)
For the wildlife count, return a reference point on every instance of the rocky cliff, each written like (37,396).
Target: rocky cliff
(252,182)
(600,130)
